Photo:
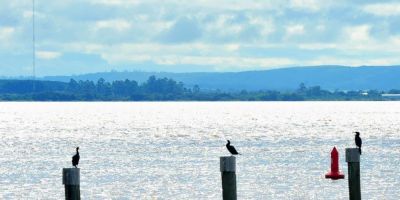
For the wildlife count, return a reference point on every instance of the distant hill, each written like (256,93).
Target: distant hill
(328,77)
(27,86)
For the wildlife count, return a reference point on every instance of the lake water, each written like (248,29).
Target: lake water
(171,150)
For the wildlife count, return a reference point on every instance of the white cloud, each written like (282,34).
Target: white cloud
(395,40)
(312,5)
(223,27)
(357,33)
(383,9)
(318,46)
(296,29)
(220,62)
(389,46)
(236,5)
(151,49)
(232,47)
(266,25)
(48,55)
(355,62)
(6,32)
(230,5)
(116,2)
(27,14)
(81,47)
(116,24)
(227,55)
(232,32)
(123,58)
(321,27)
(191,54)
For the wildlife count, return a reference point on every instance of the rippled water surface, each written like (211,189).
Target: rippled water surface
(172,150)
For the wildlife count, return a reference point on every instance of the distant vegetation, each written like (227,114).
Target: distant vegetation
(161,89)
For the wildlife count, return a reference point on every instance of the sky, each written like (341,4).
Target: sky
(85,36)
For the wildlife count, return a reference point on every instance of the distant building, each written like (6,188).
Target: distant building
(391,96)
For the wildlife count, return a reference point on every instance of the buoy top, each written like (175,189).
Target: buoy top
(334,152)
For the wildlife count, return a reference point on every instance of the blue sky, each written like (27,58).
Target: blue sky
(83,36)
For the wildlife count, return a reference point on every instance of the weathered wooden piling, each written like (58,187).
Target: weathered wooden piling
(71,181)
(353,165)
(228,174)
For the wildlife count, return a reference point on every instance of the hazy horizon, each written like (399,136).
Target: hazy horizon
(188,72)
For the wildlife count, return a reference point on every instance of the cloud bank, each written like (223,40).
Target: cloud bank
(74,37)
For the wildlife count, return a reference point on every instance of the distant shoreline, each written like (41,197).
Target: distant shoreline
(169,90)
(183,101)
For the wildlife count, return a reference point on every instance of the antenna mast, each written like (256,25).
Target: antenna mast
(33,45)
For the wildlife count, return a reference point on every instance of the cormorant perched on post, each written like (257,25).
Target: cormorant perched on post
(358,141)
(75,158)
(231,148)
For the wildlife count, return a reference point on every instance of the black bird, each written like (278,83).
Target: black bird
(358,141)
(75,158)
(231,148)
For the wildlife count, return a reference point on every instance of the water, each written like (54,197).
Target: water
(171,150)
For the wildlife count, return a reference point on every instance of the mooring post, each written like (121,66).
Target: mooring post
(228,173)
(71,180)
(353,165)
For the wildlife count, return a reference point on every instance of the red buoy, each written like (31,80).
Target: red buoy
(334,174)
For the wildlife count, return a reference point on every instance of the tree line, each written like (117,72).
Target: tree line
(162,89)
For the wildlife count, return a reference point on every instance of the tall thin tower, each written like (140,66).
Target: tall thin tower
(33,47)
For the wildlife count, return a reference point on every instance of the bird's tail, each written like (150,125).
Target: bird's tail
(359,149)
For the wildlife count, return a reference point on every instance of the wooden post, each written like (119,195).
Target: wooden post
(228,174)
(71,180)
(353,165)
